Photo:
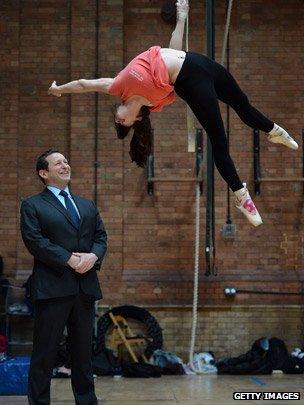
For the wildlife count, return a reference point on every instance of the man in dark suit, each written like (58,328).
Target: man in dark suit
(66,236)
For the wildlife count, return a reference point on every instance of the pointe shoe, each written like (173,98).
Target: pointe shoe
(279,135)
(245,204)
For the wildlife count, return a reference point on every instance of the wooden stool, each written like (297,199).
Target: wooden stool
(123,336)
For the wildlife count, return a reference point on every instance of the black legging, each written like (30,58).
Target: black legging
(201,83)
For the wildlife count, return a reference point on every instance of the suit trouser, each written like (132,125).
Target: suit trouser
(50,318)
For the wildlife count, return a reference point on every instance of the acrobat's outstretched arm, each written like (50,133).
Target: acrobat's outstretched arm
(81,86)
(182,9)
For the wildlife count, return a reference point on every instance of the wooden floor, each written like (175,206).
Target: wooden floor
(186,390)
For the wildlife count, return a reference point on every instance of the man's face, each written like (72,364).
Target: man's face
(59,171)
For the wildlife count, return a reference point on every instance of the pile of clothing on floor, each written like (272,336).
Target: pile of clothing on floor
(161,363)
(265,356)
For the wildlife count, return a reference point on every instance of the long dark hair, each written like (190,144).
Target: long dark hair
(141,142)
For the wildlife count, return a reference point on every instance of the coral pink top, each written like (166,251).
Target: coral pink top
(146,76)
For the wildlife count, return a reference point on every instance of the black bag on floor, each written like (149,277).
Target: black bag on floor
(277,353)
(264,356)
(255,361)
(293,366)
(173,369)
(140,370)
(106,363)
(281,360)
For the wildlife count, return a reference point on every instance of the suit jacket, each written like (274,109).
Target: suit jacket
(51,237)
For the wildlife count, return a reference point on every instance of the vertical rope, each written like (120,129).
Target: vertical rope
(187,33)
(190,125)
(190,116)
(190,122)
(196,273)
(192,365)
(226,33)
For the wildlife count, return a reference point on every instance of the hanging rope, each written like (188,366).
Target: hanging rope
(196,274)
(226,33)
(187,33)
(196,367)
(191,131)
(190,116)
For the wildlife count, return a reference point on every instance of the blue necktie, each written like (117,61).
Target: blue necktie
(70,208)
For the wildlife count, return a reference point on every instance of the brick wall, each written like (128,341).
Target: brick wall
(151,239)
(229,331)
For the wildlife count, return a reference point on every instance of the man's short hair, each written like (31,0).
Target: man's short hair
(42,163)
